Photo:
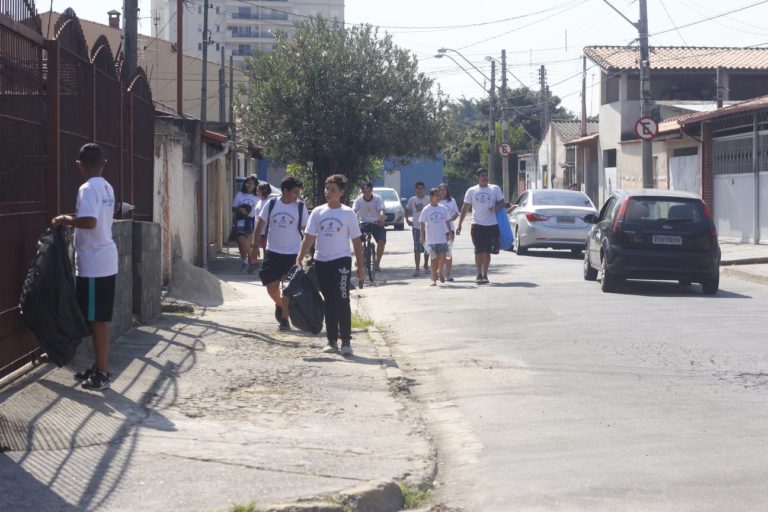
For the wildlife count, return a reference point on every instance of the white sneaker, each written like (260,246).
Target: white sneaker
(330,348)
(346,350)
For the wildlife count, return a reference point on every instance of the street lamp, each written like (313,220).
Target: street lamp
(442,52)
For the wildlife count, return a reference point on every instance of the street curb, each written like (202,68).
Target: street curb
(744,261)
(374,496)
(735,271)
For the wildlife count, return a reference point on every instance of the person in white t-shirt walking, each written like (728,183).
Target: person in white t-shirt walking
(95,258)
(330,228)
(485,200)
(449,202)
(435,232)
(369,208)
(415,205)
(283,220)
(245,209)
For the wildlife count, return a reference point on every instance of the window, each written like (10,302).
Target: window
(217,9)
(218,47)
(218,28)
(609,158)
(693,151)
(607,207)
(560,198)
(199,47)
(610,88)
(199,10)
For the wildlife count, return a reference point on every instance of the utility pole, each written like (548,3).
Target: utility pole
(204,87)
(492,122)
(645,92)
(542,101)
(222,91)
(179,60)
(232,127)
(504,125)
(581,174)
(130,33)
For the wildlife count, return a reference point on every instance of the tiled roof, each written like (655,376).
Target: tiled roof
(680,58)
(760,103)
(572,129)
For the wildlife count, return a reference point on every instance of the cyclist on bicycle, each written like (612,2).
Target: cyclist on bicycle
(370,211)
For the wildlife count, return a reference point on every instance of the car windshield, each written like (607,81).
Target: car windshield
(561,198)
(387,195)
(653,209)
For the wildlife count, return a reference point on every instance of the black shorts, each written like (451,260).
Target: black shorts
(96,297)
(485,238)
(275,266)
(379,232)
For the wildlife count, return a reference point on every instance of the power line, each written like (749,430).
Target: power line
(663,5)
(721,15)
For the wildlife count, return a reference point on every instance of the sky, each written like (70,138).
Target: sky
(534,33)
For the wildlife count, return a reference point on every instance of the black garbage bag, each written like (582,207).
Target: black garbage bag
(305,305)
(48,302)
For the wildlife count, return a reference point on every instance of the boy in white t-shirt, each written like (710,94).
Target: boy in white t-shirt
(283,219)
(369,208)
(485,200)
(95,258)
(436,230)
(415,205)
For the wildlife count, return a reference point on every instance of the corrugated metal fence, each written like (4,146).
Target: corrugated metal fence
(55,96)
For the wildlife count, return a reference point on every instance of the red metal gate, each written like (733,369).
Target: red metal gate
(55,97)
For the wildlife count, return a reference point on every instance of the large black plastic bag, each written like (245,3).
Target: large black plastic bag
(48,303)
(305,305)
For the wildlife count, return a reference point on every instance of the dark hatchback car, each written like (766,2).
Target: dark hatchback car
(653,234)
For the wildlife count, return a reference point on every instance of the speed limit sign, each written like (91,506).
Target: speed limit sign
(505,149)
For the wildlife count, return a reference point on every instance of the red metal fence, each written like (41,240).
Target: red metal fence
(55,96)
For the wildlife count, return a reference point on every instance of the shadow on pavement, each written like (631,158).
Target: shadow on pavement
(672,289)
(560,255)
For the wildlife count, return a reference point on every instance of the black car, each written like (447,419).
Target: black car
(653,234)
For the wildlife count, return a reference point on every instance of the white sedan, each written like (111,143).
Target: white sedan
(551,218)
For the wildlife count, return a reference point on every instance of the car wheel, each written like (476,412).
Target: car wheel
(590,273)
(521,251)
(399,227)
(685,282)
(711,285)
(609,282)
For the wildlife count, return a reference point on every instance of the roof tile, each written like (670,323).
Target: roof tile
(679,57)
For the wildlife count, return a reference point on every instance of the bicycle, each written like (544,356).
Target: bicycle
(369,250)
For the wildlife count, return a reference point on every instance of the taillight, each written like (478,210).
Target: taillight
(708,213)
(619,222)
(535,217)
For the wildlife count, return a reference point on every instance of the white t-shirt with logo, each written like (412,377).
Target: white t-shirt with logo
(451,205)
(284,236)
(368,211)
(95,250)
(483,200)
(334,228)
(416,204)
(244,198)
(435,219)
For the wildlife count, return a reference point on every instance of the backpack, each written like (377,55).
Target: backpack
(263,239)
(305,305)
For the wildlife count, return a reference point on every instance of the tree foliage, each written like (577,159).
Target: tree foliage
(340,97)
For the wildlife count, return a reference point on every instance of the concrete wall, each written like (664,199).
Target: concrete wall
(122,315)
(147,270)
(176,207)
(428,170)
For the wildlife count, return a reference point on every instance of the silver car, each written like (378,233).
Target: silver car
(551,218)
(393,209)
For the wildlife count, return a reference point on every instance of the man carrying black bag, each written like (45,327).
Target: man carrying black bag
(305,305)
(330,228)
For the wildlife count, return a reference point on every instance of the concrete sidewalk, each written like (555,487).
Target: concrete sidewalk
(745,261)
(214,407)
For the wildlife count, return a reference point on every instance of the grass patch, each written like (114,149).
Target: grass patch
(250,507)
(358,322)
(414,497)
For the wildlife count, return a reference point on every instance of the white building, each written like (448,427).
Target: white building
(238,27)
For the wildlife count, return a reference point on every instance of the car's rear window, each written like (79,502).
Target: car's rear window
(387,195)
(556,198)
(653,209)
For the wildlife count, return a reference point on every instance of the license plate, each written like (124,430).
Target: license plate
(667,240)
(566,220)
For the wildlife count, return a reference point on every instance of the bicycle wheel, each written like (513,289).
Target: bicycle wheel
(370,260)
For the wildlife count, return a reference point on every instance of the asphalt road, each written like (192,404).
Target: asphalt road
(543,393)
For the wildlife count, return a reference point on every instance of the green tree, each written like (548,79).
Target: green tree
(340,97)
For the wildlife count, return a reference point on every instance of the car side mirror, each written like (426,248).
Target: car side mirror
(590,218)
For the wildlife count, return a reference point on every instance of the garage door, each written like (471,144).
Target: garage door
(684,173)
(734,187)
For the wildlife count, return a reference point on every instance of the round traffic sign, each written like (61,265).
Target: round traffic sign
(646,128)
(505,149)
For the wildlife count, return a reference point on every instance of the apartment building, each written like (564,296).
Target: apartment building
(238,27)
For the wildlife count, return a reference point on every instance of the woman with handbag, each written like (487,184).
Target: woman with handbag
(330,229)
(244,210)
